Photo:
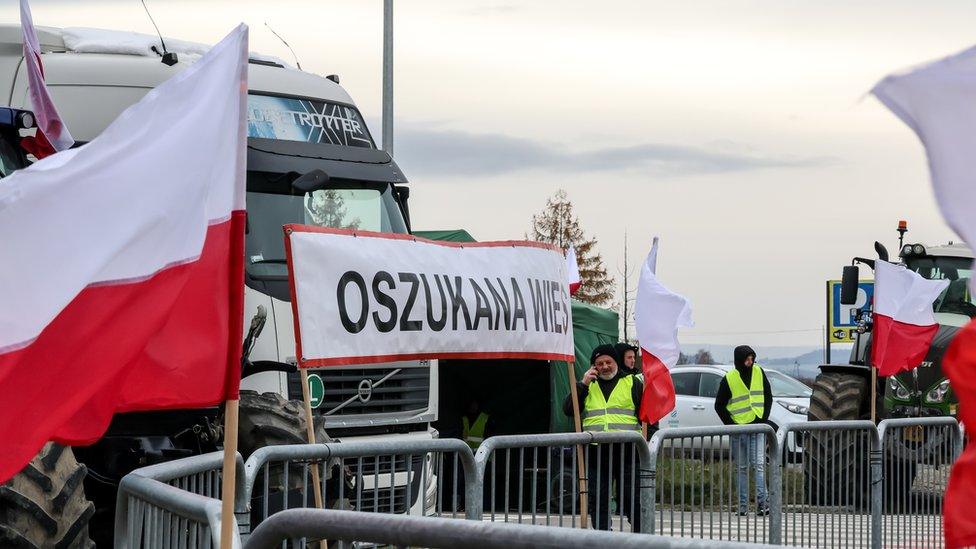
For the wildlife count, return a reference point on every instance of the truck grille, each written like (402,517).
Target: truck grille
(406,390)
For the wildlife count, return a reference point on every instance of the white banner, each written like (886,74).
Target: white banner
(362,297)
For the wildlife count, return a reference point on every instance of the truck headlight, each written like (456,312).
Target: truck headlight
(938,393)
(793,408)
(901,392)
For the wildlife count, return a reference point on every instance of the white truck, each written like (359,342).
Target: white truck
(297,123)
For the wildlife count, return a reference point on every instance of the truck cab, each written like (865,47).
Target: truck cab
(297,123)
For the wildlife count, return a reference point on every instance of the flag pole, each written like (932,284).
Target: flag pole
(580,466)
(228,480)
(874,391)
(310,431)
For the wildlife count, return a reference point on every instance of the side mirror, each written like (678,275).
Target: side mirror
(311,181)
(848,285)
(882,251)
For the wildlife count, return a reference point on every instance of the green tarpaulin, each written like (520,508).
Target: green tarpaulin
(592,326)
(454,235)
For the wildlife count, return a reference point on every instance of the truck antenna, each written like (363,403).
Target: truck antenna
(169,58)
(293,54)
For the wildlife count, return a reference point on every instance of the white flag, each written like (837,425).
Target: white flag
(938,101)
(50,127)
(572,271)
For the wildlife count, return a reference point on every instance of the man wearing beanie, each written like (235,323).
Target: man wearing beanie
(608,401)
(744,398)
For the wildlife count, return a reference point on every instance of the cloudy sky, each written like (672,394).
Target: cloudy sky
(739,132)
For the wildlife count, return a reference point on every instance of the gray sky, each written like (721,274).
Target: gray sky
(739,132)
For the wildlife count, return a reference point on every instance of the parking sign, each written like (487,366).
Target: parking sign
(842,323)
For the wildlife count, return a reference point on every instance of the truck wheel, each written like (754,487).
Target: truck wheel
(834,463)
(44,505)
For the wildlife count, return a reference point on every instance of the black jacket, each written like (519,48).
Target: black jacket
(725,394)
(606,386)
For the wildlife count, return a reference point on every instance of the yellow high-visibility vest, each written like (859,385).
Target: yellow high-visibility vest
(746,404)
(474,435)
(616,414)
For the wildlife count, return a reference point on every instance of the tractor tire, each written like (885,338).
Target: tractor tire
(835,463)
(44,505)
(268,419)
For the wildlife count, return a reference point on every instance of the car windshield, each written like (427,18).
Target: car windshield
(786,386)
(351,205)
(957,270)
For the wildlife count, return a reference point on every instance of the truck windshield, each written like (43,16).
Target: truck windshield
(350,205)
(958,271)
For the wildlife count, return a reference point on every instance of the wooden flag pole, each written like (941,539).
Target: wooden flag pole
(310,431)
(874,391)
(580,465)
(228,480)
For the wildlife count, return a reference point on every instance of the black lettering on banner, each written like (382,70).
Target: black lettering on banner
(564,292)
(436,325)
(518,306)
(347,323)
(557,327)
(503,309)
(539,305)
(407,325)
(481,308)
(384,300)
(457,302)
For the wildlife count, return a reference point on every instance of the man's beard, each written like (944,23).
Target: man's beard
(607,377)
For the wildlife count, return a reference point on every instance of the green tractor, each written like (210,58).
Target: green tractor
(836,466)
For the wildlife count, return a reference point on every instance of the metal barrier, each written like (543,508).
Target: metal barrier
(298,525)
(539,484)
(916,456)
(172,504)
(383,476)
(703,480)
(843,483)
(827,494)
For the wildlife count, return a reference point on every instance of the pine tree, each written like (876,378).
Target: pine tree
(557,224)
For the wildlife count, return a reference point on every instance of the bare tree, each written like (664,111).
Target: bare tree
(557,224)
(703,356)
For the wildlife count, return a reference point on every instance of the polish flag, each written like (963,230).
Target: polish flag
(936,100)
(52,135)
(572,271)
(658,313)
(904,323)
(122,280)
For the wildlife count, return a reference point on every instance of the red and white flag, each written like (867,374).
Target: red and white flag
(572,271)
(122,280)
(658,313)
(938,101)
(904,323)
(52,135)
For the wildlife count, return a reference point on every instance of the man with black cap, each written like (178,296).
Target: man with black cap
(610,404)
(745,398)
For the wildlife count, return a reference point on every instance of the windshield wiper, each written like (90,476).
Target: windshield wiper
(276,261)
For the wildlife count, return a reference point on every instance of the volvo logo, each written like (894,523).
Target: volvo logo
(365,390)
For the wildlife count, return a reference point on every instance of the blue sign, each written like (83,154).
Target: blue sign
(843,318)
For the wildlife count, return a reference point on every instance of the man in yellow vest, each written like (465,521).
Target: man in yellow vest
(744,398)
(608,401)
(474,426)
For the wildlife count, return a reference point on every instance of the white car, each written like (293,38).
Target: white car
(695,387)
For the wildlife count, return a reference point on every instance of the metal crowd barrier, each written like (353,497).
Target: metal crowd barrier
(424,476)
(696,475)
(535,479)
(844,483)
(825,485)
(916,456)
(172,504)
(298,525)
